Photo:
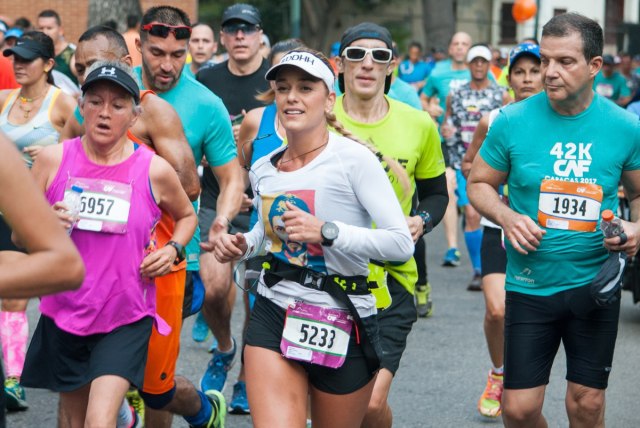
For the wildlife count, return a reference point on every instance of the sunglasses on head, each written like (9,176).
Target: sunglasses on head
(180,32)
(354,53)
(233,28)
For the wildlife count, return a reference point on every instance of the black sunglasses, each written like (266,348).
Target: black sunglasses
(180,32)
(354,53)
(233,28)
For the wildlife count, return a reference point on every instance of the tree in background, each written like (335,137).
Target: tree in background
(104,11)
(439,22)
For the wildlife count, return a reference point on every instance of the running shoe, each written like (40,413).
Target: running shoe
(490,403)
(15,396)
(239,402)
(215,376)
(219,413)
(134,399)
(451,258)
(476,283)
(424,305)
(200,331)
(137,422)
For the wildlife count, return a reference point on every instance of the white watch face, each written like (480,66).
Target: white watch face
(329,231)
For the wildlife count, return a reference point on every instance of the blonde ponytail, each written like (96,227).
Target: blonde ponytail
(397,169)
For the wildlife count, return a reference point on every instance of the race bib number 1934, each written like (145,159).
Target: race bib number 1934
(569,206)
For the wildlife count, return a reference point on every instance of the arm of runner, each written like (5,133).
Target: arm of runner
(165,130)
(229,176)
(434,198)
(166,189)
(631,183)
(72,128)
(478,137)
(248,132)
(482,189)
(447,129)
(52,263)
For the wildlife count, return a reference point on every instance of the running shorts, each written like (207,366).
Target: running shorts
(534,328)
(395,324)
(265,331)
(64,362)
(493,257)
(163,351)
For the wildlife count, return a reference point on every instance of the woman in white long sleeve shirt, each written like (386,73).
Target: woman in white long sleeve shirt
(313,329)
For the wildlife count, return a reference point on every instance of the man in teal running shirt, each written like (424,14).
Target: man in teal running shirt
(554,149)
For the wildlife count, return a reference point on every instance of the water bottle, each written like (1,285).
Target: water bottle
(610,225)
(72,200)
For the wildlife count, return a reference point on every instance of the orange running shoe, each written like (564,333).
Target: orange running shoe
(490,403)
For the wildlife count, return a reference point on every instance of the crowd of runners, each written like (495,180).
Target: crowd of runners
(306,183)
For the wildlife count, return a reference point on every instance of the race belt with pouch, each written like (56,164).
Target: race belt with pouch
(316,327)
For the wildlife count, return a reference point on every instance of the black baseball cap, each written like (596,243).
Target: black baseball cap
(608,59)
(27,49)
(242,12)
(113,73)
(365,30)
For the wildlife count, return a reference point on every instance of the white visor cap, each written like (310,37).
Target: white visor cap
(479,51)
(307,62)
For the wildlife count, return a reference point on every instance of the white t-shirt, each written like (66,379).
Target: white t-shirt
(344,184)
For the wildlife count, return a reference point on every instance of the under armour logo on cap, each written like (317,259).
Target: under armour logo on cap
(108,71)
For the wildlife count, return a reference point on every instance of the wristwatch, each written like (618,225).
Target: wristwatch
(182,254)
(329,232)
(427,223)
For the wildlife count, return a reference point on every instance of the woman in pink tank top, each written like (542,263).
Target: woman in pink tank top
(90,344)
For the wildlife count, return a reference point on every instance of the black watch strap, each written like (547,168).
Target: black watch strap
(180,251)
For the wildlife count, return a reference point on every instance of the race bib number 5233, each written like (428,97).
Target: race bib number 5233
(569,206)
(316,335)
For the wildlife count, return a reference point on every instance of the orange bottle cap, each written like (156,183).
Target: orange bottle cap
(607,215)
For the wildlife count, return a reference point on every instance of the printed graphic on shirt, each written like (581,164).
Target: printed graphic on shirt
(292,252)
(573,161)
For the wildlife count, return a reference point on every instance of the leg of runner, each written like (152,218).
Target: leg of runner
(452,256)
(339,411)
(14,334)
(105,399)
(268,372)
(424,303)
(585,406)
(72,407)
(217,311)
(494,295)
(379,413)
(522,408)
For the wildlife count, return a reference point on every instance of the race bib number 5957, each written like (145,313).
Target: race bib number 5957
(569,206)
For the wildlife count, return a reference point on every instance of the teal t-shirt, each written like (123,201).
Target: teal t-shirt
(613,87)
(206,124)
(532,143)
(442,81)
(404,92)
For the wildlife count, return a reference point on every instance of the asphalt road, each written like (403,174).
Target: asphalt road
(444,367)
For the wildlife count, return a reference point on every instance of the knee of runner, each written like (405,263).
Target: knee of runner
(520,413)
(158,401)
(589,403)
(495,313)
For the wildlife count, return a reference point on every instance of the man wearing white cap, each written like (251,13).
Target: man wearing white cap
(465,107)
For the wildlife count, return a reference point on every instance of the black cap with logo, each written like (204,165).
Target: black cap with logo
(27,49)
(242,12)
(115,74)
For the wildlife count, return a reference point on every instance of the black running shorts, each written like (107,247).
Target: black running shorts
(395,324)
(534,328)
(493,256)
(265,331)
(63,362)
